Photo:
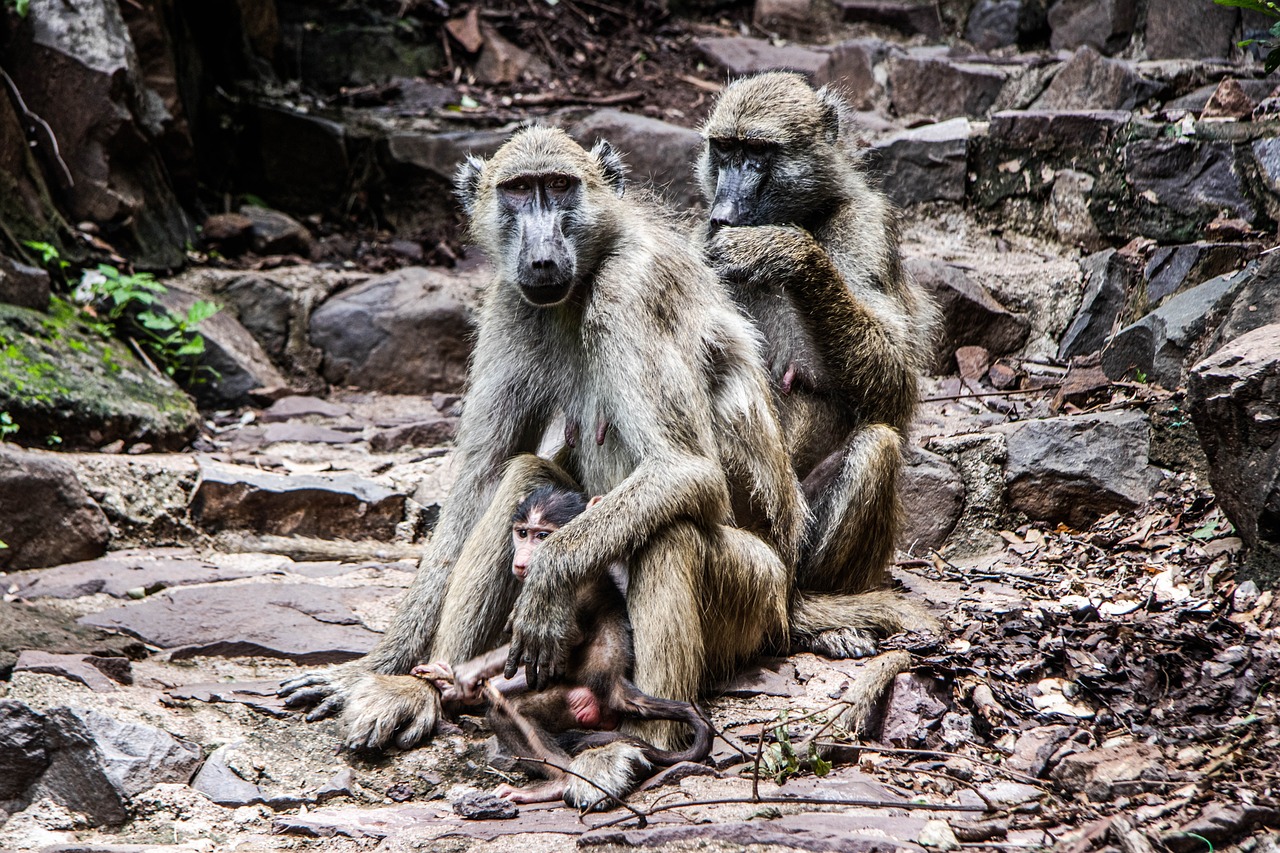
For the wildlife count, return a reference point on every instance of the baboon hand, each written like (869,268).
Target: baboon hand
(385,708)
(325,693)
(540,633)
(759,255)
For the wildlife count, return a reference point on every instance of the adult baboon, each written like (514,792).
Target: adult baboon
(810,250)
(604,314)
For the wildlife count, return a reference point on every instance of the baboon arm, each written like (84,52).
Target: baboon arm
(784,256)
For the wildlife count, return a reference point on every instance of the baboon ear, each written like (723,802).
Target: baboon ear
(615,171)
(832,107)
(466,182)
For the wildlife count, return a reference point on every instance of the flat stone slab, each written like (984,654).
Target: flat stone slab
(98,674)
(306,623)
(118,575)
(380,823)
(258,695)
(815,831)
(230,497)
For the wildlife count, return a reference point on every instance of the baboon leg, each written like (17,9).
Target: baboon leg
(482,589)
(524,738)
(841,610)
(747,584)
(855,515)
(614,771)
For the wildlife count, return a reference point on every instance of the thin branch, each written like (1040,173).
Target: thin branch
(640,816)
(53,140)
(814,801)
(992,394)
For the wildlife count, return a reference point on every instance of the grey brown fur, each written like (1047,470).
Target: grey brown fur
(700,500)
(810,250)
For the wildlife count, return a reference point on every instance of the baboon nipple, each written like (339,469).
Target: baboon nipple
(601,429)
(571,430)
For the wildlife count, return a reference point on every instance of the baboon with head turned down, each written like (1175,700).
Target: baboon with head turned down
(603,314)
(810,250)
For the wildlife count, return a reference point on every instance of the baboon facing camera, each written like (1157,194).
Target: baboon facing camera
(810,250)
(601,314)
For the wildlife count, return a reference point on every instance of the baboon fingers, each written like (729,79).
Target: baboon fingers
(328,708)
(292,685)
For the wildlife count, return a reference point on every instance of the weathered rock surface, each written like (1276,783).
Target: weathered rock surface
(343,506)
(222,784)
(936,87)
(657,153)
(406,332)
(274,233)
(78,70)
(428,433)
(932,500)
(1234,396)
(1118,771)
(1179,187)
(294,406)
(1088,81)
(232,364)
(851,66)
(46,517)
(1257,304)
(60,379)
(926,163)
(24,754)
(26,627)
(122,575)
(909,16)
(1184,29)
(302,622)
(1080,467)
(1158,345)
(1104,26)
(1173,269)
(98,674)
(1106,276)
(23,285)
(742,56)
(420,168)
(971,316)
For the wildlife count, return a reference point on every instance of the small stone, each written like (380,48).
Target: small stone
(1245,596)
(1229,101)
(938,835)
(483,805)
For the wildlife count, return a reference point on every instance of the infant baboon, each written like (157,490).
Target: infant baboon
(595,692)
(600,314)
(810,250)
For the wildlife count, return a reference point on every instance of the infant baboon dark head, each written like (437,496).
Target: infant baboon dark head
(541,208)
(772,152)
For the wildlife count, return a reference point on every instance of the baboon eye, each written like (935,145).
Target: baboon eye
(518,186)
(543,534)
(521,532)
(558,183)
(757,146)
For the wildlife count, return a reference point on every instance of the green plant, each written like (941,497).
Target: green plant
(20,7)
(1271,10)
(7,426)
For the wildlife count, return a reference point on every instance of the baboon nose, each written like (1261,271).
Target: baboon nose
(724,213)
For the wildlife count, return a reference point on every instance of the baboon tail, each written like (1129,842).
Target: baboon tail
(878,613)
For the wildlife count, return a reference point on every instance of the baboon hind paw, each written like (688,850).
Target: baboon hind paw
(386,708)
(614,771)
(839,643)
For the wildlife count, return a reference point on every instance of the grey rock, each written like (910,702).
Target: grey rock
(299,161)
(1080,467)
(1035,749)
(1234,396)
(932,499)
(293,406)
(276,233)
(926,163)
(770,677)
(937,87)
(970,314)
(907,16)
(1266,157)
(118,575)
(1068,208)
(343,506)
(1219,824)
(793,17)
(233,362)
(1196,100)
(851,66)
(1185,29)
(1088,81)
(1104,25)
(1173,269)
(1159,344)
(23,285)
(1118,771)
(484,806)
(31,626)
(813,831)
(742,56)
(1107,277)
(915,708)
(429,433)
(258,695)
(1180,186)
(308,434)
(341,784)
(657,153)
(217,781)
(46,517)
(24,752)
(406,332)
(80,668)
(77,69)
(301,622)
(419,170)
(993,23)
(86,389)
(1256,305)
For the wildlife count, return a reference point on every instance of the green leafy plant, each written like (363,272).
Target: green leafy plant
(1272,45)
(7,426)
(20,7)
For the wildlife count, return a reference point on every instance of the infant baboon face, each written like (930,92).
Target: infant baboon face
(526,537)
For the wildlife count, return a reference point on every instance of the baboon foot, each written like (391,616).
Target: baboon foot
(614,771)
(547,792)
(840,643)
(325,693)
(381,709)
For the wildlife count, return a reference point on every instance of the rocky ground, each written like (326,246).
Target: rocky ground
(1091,198)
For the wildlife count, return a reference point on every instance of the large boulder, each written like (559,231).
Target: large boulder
(937,87)
(1089,81)
(46,517)
(75,64)
(1106,277)
(1189,29)
(926,163)
(1234,396)
(1077,468)
(657,153)
(932,500)
(1180,185)
(60,378)
(1104,25)
(971,316)
(406,332)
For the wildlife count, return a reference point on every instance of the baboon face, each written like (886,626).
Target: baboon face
(538,208)
(767,153)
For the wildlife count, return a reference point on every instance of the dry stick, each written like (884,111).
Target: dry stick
(991,394)
(640,816)
(890,750)
(53,140)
